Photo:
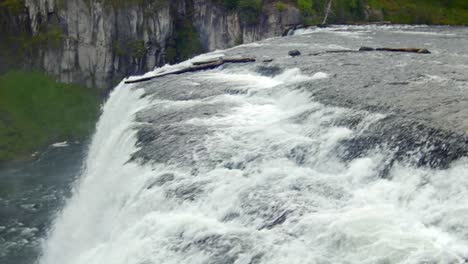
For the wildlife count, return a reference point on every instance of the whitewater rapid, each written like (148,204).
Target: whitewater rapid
(251,174)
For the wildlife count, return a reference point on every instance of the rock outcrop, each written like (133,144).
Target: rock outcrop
(98,42)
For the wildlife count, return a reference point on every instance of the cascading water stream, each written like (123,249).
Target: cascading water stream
(95,200)
(237,165)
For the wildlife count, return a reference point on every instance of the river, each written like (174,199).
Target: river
(333,156)
(31,193)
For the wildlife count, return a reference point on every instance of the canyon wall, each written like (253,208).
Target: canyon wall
(97,43)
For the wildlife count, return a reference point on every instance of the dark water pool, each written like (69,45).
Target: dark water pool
(31,192)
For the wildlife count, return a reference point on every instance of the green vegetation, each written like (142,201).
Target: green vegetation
(132,48)
(281,7)
(35,111)
(349,10)
(312,10)
(18,47)
(118,4)
(138,49)
(228,4)
(248,10)
(14,6)
(343,10)
(50,37)
(185,43)
(306,7)
(445,12)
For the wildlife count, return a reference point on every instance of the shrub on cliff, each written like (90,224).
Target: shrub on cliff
(454,12)
(185,43)
(229,4)
(306,6)
(15,6)
(248,10)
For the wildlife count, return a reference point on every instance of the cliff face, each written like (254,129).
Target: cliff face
(96,43)
(220,29)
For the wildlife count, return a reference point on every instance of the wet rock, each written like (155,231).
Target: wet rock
(228,248)
(289,30)
(186,192)
(172,144)
(161,180)
(230,216)
(294,53)
(198,66)
(398,83)
(413,50)
(435,148)
(366,49)
(269,71)
(278,221)
(340,51)
(298,154)
(235,165)
(425,51)
(268,60)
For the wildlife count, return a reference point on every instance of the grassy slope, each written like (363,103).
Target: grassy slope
(36,111)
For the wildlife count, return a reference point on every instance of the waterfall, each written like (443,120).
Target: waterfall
(242,165)
(103,186)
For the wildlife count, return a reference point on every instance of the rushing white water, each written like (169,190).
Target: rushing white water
(279,195)
(91,212)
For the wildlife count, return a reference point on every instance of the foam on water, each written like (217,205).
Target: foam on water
(60,144)
(333,30)
(90,215)
(175,67)
(278,194)
(250,45)
(359,31)
(432,34)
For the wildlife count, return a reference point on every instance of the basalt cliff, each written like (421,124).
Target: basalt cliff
(96,43)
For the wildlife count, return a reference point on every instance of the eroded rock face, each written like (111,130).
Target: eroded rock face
(220,29)
(99,43)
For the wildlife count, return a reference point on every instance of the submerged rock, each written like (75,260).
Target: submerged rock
(197,66)
(161,180)
(426,51)
(294,53)
(366,49)
(413,50)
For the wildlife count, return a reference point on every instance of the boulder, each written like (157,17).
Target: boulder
(294,53)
